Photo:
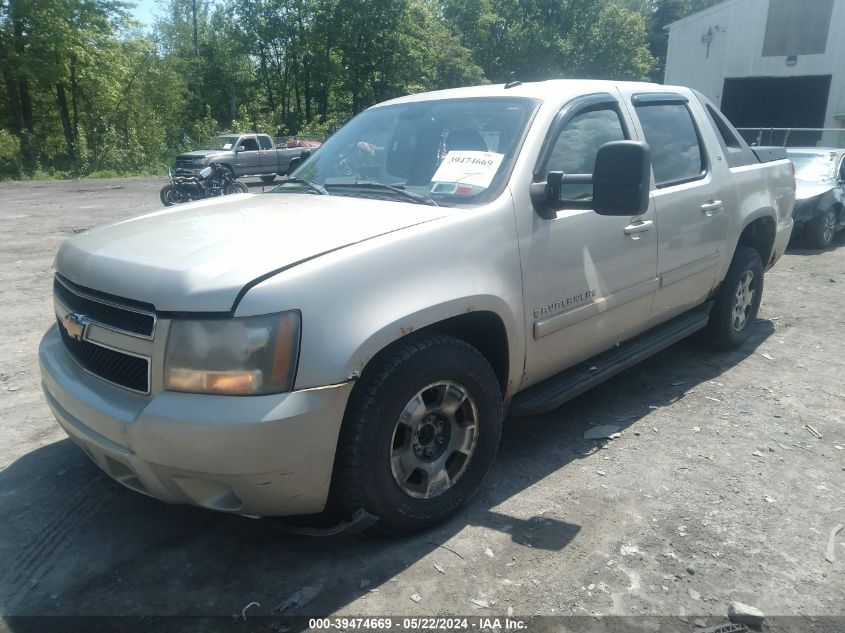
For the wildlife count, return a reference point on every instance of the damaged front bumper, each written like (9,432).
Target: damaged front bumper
(808,209)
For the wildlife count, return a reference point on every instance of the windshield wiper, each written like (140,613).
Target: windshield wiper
(372,184)
(313,186)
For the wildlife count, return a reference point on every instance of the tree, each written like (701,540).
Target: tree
(543,39)
(83,91)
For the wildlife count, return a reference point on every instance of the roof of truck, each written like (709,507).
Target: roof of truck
(535,90)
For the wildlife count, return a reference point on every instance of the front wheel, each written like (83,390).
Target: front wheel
(737,301)
(171,194)
(820,231)
(235,187)
(420,432)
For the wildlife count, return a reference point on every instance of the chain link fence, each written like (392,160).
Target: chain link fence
(793,136)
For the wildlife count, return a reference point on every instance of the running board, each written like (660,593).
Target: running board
(554,391)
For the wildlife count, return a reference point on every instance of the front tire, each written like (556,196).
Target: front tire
(170,195)
(420,432)
(737,301)
(820,231)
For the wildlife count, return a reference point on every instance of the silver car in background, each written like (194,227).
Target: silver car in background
(820,194)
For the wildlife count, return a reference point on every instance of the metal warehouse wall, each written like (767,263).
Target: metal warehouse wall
(727,41)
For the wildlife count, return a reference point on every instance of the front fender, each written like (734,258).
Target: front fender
(429,316)
(809,209)
(356,301)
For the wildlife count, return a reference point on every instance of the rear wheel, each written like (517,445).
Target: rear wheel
(421,430)
(820,231)
(292,165)
(737,301)
(170,195)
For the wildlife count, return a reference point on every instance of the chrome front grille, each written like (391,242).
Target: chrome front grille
(185,162)
(103,311)
(108,337)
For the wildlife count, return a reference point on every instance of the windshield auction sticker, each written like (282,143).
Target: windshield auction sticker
(467,167)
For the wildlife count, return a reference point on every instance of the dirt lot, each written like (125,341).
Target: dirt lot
(714,492)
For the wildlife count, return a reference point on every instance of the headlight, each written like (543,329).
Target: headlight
(235,357)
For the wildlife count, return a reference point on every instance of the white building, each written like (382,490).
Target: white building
(766,63)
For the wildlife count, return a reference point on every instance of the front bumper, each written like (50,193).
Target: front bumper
(257,455)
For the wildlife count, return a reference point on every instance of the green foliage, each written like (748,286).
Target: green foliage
(10,147)
(85,92)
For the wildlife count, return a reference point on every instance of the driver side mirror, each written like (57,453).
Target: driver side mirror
(621,181)
(622,178)
(240,148)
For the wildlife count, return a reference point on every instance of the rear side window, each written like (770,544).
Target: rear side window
(265,142)
(676,152)
(574,151)
(729,139)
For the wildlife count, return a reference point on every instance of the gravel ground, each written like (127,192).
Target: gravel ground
(714,492)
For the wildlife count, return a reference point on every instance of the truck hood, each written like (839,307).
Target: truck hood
(199,153)
(198,256)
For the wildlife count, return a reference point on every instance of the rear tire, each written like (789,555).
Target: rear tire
(235,187)
(820,231)
(737,301)
(420,432)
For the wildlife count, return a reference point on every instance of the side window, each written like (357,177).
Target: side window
(574,150)
(265,142)
(249,143)
(729,139)
(676,152)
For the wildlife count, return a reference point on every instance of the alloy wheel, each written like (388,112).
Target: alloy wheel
(829,227)
(744,300)
(434,439)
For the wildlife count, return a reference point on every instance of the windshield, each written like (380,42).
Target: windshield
(453,152)
(812,166)
(223,143)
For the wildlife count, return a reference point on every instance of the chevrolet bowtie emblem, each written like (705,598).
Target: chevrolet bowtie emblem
(74,323)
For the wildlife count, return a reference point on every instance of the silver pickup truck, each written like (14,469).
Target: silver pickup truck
(246,155)
(353,339)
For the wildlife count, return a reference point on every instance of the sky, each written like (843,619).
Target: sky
(144,11)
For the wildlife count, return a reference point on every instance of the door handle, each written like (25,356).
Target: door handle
(640,226)
(712,206)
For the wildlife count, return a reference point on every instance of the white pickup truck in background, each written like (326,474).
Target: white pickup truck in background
(351,341)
